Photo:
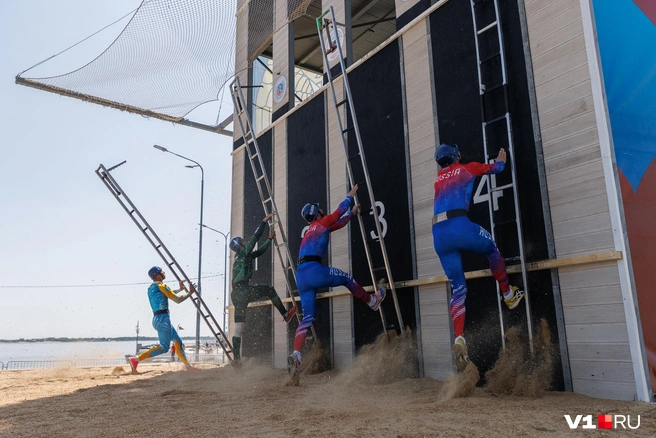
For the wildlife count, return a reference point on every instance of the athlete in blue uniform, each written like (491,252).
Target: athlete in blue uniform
(453,232)
(312,275)
(159,295)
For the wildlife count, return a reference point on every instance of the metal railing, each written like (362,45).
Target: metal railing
(89,363)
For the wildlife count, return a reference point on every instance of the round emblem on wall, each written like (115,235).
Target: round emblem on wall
(335,53)
(280,89)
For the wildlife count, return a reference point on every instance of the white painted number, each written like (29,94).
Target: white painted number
(381,219)
(480,197)
(305,230)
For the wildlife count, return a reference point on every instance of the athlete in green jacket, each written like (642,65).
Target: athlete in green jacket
(242,291)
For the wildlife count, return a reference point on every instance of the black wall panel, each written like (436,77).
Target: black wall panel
(306,182)
(459,119)
(258,335)
(377,95)
(412,13)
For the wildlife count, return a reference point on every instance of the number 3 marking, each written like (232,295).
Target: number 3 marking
(381,219)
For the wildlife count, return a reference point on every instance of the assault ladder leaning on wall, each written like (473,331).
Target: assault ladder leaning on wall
(380,273)
(493,80)
(266,194)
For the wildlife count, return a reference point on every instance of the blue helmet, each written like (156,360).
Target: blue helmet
(154,272)
(310,212)
(446,154)
(235,243)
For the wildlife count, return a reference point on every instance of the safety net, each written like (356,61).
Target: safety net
(172,56)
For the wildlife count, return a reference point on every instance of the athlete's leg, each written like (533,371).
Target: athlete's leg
(161,323)
(452,264)
(239,297)
(478,239)
(336,277)
(179,350)
(309,304)
(264,290)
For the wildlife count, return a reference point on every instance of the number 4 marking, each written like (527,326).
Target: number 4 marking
(480,197)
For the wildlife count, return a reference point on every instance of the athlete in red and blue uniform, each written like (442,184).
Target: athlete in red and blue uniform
(312,275)
(159,295)
(453,232)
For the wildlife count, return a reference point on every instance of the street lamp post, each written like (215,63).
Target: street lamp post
(225,269)
(200,236)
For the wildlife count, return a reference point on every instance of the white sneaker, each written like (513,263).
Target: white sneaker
(379,296)
(293,365)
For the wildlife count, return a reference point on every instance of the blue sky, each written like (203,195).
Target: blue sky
(59,224)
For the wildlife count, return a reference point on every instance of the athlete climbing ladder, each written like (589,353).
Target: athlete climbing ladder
(356,163)
(164,253)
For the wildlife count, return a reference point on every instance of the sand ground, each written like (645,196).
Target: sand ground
(166,401)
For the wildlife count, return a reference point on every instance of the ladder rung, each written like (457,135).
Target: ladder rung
(294,291)
(353,157)
(254,156)
(489,58)
(261,177)
(347,130)
(132,212)
(506,222)
(267,200)
(498,119)
(513,259)
(487,90)
(145,229)
(488,27)
(287,268)
(158,246)
(171,264)
(379,269)
(341,103)
(497,189)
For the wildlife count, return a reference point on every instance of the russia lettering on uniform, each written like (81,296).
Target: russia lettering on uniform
(448,174)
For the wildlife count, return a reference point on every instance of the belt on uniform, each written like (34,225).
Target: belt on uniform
(305,259)
(449,214)
(161,312)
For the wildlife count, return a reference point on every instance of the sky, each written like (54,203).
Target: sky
(60,226)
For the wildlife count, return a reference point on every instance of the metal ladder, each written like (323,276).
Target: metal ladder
(176,269)
(266,195)
(381,274)
(488,88)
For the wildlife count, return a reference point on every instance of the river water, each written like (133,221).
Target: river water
(41,351)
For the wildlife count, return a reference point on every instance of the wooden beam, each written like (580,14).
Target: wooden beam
(482,273)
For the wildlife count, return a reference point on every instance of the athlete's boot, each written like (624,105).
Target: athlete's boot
(460,353)
(517,296)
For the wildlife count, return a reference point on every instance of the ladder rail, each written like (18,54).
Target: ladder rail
(511,154)
(285,259)
(356,128)
(163,251)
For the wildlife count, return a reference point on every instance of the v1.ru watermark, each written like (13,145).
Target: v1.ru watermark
(603,422)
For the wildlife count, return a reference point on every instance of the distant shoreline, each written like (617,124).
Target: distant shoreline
(119,339)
